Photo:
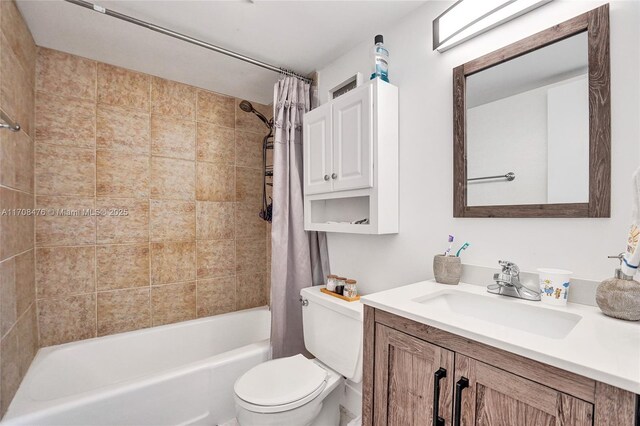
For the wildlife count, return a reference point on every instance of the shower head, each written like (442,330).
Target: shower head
(247,107)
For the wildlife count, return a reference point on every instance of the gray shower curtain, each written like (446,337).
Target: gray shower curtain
(298,258)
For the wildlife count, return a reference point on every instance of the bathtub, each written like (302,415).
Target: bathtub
(178,374)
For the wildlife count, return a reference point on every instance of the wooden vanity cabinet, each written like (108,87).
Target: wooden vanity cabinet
(480,385)
(491,396)
(408,371)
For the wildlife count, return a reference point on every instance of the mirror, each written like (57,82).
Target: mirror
(525,142)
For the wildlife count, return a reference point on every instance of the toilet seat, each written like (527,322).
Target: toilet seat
(280,385)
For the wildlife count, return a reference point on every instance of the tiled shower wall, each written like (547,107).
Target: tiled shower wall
(185,165)
(18,326)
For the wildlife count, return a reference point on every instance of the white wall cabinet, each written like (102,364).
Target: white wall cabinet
(318,152)
(351,162)
(352,140)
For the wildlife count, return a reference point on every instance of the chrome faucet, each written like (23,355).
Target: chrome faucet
(508,283)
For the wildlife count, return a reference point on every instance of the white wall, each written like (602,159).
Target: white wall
(541,135)
(508,135)
(568,142)
(425,81)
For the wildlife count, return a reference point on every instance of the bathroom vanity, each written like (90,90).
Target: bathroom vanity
(456,355)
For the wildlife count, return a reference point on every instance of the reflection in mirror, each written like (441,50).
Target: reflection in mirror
(529,116)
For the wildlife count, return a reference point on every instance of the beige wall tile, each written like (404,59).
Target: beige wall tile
(248,222)
(8,297)
(67,75)
(62,170)
(67,319)
(172,98)
(122,266)
(250,291)
(173,179)
(27,338)
(216,296)
(216,109)
(173,303)
(172,220)
(249,149)
(216,258)
(215,220)
(25,281)
(174,138)
(123,310)
(124,88)
(248,185)
(249,122)
(16,88)
(120,174)
(126,221)
(216,144)
(18,36)
(173,262)
(215,182)
(59,229)
(16,229)
(63,271)
(65,121)
(122,129)
(10,374)
(147,262)
(250,256)
(16,161)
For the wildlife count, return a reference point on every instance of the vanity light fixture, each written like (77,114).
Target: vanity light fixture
(469,18)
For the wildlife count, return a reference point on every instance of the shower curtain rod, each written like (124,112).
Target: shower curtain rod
(188,39)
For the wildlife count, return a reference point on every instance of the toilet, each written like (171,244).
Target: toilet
(297,391)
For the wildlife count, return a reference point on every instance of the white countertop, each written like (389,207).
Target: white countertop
(599,347)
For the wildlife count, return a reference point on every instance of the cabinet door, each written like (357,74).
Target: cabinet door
(353,140)
(497,398)
(317,150)
(405,380)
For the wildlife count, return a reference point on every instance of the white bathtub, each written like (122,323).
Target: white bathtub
(179,374)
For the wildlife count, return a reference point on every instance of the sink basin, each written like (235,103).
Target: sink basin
(504,312)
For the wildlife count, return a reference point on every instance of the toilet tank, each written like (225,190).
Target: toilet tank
(333,331)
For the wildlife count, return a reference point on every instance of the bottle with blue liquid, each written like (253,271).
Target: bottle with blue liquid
(381,60)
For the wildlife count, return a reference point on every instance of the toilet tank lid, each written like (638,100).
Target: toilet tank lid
(351,309)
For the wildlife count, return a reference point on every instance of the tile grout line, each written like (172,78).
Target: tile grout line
(149,151)
(35,196)
(95,201)
(195,190)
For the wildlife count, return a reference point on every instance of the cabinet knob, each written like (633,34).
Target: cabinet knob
(334,176)
(326,177)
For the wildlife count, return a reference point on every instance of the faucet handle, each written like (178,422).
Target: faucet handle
(509,267)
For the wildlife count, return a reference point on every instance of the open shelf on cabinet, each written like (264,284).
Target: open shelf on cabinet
(339,214)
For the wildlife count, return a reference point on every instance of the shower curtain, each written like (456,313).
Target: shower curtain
(298,258)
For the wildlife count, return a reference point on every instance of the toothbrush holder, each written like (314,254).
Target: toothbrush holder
(447,269)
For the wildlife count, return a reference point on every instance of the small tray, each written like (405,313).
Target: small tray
(339,296)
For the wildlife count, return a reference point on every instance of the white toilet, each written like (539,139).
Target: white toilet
(297,391)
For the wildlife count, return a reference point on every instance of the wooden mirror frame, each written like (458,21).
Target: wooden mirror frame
(596,24)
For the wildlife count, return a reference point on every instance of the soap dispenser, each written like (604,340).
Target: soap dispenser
(619,296)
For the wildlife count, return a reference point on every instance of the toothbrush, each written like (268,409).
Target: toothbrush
(446,253)
(464,247)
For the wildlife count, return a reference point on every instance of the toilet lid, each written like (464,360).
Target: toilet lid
(280,381)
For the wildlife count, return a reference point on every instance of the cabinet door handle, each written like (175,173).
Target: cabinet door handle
(326,177)
(334,176)
(437,376)
(460,385)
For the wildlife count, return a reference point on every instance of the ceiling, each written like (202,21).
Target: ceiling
(299,35)
(551,64)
